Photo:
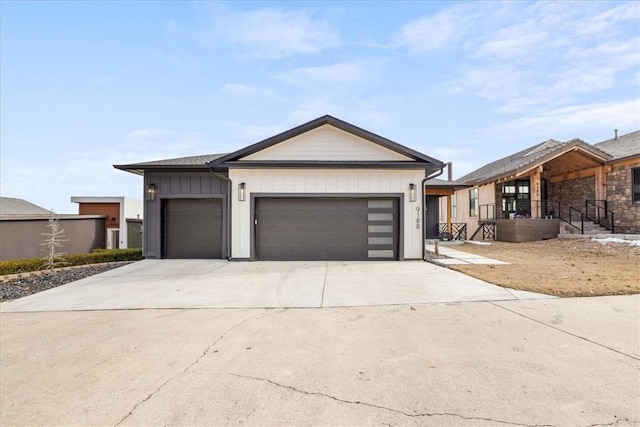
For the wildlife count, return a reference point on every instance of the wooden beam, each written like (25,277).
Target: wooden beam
(634,160)
(601,184)
(438,191)
(573,175)
(449,214)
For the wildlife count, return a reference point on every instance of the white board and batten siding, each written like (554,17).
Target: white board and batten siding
(325,182)
(327,143)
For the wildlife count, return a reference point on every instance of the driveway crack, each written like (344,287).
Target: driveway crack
(385,408)
(565,332)
(324,284)
(192,364)
(620,420)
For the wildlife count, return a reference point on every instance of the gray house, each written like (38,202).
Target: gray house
(325,190)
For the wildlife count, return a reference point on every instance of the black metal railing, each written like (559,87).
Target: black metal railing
(525,208)
(598,212)
(570,215)
(458,230)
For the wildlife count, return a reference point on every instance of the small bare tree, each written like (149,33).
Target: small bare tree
(54,239)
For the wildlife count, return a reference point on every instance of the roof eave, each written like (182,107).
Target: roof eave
(269,164)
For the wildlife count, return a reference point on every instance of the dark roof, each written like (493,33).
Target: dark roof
(11,206)
(186,163)
(622,147)
(530,157)
(419,159)
(443,183)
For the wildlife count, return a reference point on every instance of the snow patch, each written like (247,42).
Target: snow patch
(617,240)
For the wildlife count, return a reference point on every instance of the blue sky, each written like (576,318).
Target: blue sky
(85,85)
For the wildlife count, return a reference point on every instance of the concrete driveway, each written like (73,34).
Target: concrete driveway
(221,284)
(554,362)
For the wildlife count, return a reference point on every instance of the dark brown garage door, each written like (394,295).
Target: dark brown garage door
(192,228)
(345,229)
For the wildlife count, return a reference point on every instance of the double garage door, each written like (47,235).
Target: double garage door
(288,228)
(345,229)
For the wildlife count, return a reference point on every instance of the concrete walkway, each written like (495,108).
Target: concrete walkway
(222,284)
(455,257)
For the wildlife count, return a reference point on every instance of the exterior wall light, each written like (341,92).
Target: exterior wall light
(151,192)
(242,191)
(412,193)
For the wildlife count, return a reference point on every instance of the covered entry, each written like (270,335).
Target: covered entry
(192,228)
(326,228)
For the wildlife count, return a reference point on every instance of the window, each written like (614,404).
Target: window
(473,202)
(636,185)
(454,205)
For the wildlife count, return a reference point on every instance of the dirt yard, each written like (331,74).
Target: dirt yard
(566,268)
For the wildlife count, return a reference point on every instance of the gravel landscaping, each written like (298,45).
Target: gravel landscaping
(30,283)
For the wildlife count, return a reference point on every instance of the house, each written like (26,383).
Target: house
(123,225)
(22,224)
(556,186)
(324,190)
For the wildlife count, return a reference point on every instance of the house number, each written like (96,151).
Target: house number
(418,218)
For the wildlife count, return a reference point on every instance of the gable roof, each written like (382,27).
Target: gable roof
(530,158)
(12,206)
(622,147)
(416,159)
(180,163)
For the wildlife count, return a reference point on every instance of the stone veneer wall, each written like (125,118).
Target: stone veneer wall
(573,192)
(620,199)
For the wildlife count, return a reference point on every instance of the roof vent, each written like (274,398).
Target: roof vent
(615,132)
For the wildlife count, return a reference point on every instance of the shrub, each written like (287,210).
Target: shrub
(98,256)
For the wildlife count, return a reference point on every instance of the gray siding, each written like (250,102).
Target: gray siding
(175,185)
(22,238)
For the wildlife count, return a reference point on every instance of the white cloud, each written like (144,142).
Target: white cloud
(276,33)
(572,121)
(241,89)
(494,82)
(345,72)
(514,46)
(143,135)
(538,57)
(433,32)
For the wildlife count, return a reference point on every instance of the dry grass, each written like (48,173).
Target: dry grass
(566,268)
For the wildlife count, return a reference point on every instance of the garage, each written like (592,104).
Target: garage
(192,228)
(326,228)
(323,190)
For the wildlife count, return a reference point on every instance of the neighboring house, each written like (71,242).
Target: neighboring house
(441,209)
(10,206)
(325,190)
(570,185)
(123,227)
(22,224)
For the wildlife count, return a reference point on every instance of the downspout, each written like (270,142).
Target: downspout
(424,219)
(229,187)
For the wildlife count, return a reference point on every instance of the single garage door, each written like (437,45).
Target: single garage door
(345,229)
(192,228)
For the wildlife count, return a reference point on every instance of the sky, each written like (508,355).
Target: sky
(86,85)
